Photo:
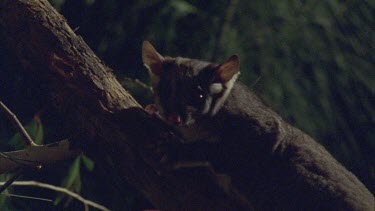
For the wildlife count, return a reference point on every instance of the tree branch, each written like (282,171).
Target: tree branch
(37,155)
(100,110)
(13,118)
(34,155)
(11,180)
(61,190)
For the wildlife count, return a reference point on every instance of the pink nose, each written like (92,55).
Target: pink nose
(174,118)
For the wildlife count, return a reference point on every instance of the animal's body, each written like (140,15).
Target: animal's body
(273,165)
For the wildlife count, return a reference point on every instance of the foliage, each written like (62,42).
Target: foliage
(34,129)
(315,60)
(72,180)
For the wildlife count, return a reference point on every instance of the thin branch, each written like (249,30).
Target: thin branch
(37,155)
(62,190)
(13,118)
(27,197)
(11,180)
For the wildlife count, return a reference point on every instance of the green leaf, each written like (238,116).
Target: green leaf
(72,181)
(73,174)
(87,162)
(34,129)
(39,131)
(17,142)
(3,197)
(89,2)
(183,7)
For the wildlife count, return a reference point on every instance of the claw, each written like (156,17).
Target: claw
(153,111)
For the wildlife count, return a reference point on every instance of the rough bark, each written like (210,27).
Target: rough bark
(103,113)
(95,103)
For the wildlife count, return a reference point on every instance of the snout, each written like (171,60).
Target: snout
(174,118)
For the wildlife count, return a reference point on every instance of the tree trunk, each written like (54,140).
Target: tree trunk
(97,106)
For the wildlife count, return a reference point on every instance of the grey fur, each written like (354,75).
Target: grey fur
(274,165)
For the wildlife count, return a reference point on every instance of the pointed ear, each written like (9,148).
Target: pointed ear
(228,69)
(151,58)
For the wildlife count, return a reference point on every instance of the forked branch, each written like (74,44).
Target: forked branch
(85,202)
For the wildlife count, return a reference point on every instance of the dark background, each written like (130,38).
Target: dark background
(312,61)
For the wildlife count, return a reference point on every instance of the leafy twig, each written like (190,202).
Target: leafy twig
(62,190)
(27,197)
(11,180)
(34,155)
(37,155)
(13,118)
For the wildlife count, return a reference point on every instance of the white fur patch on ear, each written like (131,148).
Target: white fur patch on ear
(207,105)
(228,87)
(216,88)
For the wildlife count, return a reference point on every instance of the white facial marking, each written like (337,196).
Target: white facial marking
(207,104)
(216,88)
(220,101)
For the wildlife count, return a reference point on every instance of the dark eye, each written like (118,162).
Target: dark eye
(198,97)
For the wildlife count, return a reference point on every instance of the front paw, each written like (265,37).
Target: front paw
(153,110)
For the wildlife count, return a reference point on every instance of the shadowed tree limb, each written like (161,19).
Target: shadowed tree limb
(34,155)
(11,180)
(100,110)
(61,190)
